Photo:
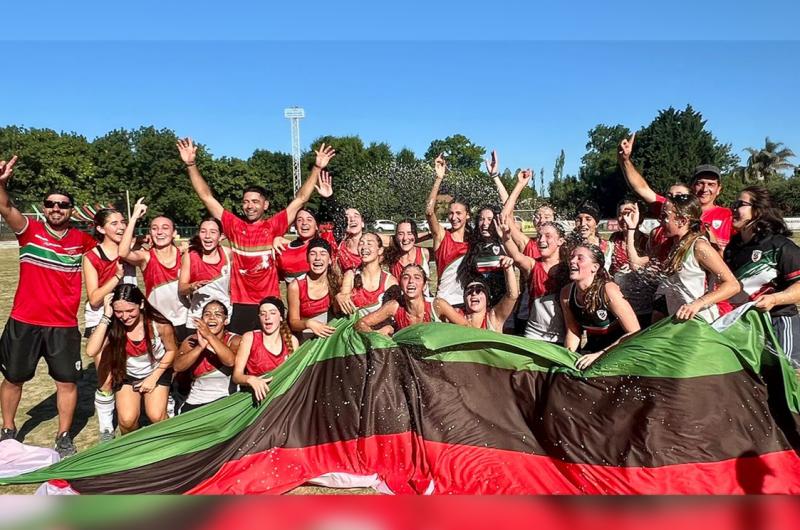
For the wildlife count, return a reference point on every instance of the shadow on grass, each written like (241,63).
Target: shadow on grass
(47,410)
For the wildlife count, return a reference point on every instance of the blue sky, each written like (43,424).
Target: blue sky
(528,98)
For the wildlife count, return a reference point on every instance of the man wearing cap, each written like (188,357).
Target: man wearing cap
(705,184)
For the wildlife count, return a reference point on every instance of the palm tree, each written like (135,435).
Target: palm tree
(768,162)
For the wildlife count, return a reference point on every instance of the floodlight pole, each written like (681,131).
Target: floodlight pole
(294,115)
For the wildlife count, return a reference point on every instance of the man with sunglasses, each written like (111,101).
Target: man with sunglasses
(43,321)
(705,184)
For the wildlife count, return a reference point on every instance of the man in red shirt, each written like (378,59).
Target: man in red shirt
(43,321)
(254,274)
(705,184)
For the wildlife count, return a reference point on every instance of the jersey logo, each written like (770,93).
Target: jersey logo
(602,314)
(755,256)
(495,250)
(716,223)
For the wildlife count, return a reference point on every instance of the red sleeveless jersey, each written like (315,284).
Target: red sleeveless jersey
(346,259)
(401,319)
(199,270)
(208,361)
(449,250)
(309,308)
(293,261)
(262,360)
(397,268)
(156,274)
(364,298)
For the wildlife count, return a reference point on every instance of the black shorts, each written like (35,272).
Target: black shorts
(244,318)
(23,344)
(164,380)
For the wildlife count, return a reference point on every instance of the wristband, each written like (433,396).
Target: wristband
(105,320)
(190,164)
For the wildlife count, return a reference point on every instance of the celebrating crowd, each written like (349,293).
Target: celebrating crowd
(211,317)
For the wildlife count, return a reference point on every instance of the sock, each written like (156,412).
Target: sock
(170,406)
(104,405)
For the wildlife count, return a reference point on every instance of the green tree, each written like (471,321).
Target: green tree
(768,162)
(600,174)
(461,153)
(406,157)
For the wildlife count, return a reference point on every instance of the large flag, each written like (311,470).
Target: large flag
(678,408)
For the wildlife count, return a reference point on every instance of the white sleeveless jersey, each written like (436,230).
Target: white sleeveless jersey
(545,319)
(686,286)
(141,366)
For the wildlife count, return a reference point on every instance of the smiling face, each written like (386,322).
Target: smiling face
(475,297)
(370,248)
(59,211)
(671,222)
(254,205)
(113,228)
(355,223)
(457,215)
(319,260)
(549,241)
(162,232)
(127,313)
(215,315)
(706,190)
(582,265)
(270,318)
(404,237)
(485,223)
(585,225)
(305,224)
(412,282)
(543,215)
(209,235)
(742,211)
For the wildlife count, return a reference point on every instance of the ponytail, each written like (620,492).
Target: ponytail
(286,336)
(686,206)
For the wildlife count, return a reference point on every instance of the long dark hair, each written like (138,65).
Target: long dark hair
(687,206)
(393,253)
(100,218)
(284,330)
(395,292)
(467,267)
(118,335)
(594,296)
(767,219)
(195,245)
(358,282)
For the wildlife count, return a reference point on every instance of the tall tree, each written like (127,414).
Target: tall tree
(768,162)
(460,152)
(600,171)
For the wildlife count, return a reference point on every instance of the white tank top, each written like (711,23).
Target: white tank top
(140,366)
(545,319)
(218,289)
(686,286)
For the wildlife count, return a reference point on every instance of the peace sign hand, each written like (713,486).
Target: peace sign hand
(625,148)
(6,169)
(493,165)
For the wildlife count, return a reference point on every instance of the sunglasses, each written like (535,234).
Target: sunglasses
(61,204)
(735,205)
(678,196)
(474,289)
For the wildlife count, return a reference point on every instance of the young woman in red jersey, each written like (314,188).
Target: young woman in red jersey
(362,289)
(138,347)
(403,249)
(160,266)
(310,297)
(102,272)
(408,306)
(264,349)
(208,356)
(291,261)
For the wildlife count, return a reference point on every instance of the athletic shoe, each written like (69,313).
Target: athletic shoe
(64,446)
(106,436)
(8,434)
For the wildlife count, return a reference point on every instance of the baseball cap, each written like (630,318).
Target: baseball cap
(708,171)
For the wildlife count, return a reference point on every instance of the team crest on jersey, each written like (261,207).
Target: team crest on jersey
(755,256)
(716,223)
(495,250)
(602,314)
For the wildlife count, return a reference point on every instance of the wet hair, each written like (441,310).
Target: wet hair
(767,219)
(195,245)
(284,330)
(564,250)
(594,296)
(162,216)
(118,336)
(256,189)
(589,208)
(478,279)
(395,292)
(60,191)
(686,206)
(309,212)
(393,253)
(318,242)
(475,241)
(101,218)
(333,274)
(358,282)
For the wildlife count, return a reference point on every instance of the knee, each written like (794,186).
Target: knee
(156,414)
(128,420)
(66,388)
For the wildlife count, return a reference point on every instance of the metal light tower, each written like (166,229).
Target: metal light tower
(295,114)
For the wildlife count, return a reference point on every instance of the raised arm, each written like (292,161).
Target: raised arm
(493,168)
(726,287)
(503,309)
(12,216)
(522,261)
(439,166)
(139,257)
(632,219)
(95,293)
(318,179)
(188,152)
(380,315)
(632,176)
(523,178)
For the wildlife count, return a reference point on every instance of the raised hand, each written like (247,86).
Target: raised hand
(631,217)
(492,165)
(524,176)
(324,185)
(506,262)
(279,244)
(108,311)
(625,148)
(502,225)
(6,169)
(324,155)
(139,209)
(187,150)
(440,166)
